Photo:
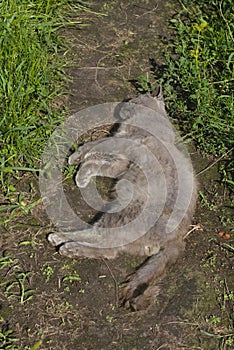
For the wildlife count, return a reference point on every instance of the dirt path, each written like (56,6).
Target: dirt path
(116,48)
(74,303)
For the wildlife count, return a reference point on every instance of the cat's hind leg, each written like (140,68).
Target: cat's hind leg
(140,290)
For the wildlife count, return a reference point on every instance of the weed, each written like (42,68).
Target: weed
(71,278)
(48,272)
(37,345)
(206,202)
(214,320)
(143,84)
(7,262)
(27,243)
(7,338)
(109,318)
(16,206)
(15,285)
(219,325)
(17,289)
(199,78)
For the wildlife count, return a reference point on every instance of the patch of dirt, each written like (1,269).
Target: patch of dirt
(52,302)
(116,48)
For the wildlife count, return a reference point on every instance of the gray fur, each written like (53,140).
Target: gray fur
(161,245)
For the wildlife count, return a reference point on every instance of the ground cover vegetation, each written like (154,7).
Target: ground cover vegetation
(198,84)
(199,89)
(31,80)
(199,79)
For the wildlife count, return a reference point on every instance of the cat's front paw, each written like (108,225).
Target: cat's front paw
(75,158)
(83,176)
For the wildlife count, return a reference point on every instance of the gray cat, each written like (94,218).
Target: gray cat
(149,220)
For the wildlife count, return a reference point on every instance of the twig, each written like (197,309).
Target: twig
(194,227)
(95,68)
(115,283)
(212,164)
(147,12)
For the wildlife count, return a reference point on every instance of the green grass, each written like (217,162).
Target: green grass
(219,324)
(31,77)
(6,336)
(199,78)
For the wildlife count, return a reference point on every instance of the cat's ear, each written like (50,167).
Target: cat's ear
(157,93)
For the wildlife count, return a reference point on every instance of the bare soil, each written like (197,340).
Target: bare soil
(52,302)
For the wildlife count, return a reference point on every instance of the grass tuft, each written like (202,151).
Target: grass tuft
(31,76)
(199,79)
